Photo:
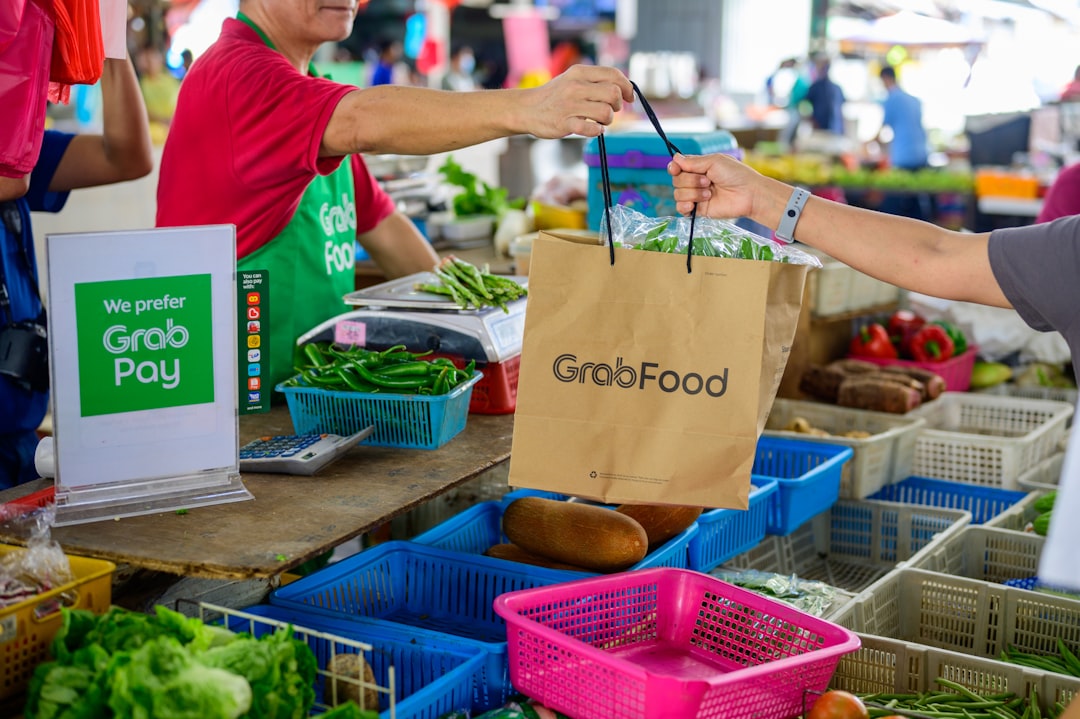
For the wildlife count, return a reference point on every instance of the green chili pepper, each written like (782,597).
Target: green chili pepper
(314,355)
(399,383)
(404,369)
(354,382)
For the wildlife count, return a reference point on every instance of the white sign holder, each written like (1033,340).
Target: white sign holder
(142,347)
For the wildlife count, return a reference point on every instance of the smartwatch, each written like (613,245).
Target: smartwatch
(786,229)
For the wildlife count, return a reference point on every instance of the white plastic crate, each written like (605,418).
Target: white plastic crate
(886,456)
(1058,394)
(1018,517)
(867,292)
(988,553)
(830,288)
(883,665)
(984,439)
(836,288)
(1043,476)
(855,543)
(970,616)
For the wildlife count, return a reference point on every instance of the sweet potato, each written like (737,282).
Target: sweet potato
(514,553)
(822,382)
(904,379)
(584,535)
(878,395)
(933,383)
(854,366)
(661,521)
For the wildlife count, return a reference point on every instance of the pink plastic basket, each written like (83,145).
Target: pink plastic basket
(666,643)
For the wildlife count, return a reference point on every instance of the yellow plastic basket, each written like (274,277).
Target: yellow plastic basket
(27,628)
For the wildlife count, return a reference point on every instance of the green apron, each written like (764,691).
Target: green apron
(311,264)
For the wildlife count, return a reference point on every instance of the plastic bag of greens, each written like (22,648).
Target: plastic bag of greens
(811,596)
(712,238)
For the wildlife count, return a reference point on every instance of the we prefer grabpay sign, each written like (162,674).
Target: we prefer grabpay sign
(144,343)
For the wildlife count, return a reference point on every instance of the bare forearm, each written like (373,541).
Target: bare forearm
(421,121)
(915,255)
(398,248)
(122,151)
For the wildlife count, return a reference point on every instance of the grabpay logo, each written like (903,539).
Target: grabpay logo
(144,344)
(567,368)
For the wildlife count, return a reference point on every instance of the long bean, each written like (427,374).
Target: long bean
(955,701)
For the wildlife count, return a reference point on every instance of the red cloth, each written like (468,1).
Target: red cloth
(244,143)
(1063,197)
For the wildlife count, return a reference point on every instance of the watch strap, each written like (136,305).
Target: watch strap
(792,212)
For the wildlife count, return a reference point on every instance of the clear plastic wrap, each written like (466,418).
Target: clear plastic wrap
(811,596)
(41,567)
(712,238)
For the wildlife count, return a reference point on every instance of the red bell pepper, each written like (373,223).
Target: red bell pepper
(872,340)
(932,344)
(902,325)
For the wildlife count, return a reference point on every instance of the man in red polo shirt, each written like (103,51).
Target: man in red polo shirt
(259,141)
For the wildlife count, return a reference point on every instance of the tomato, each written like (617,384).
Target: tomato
(836,704)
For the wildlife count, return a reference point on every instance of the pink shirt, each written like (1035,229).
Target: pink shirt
(244,143)
(1063,197)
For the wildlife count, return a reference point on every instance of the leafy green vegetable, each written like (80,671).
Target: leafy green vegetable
(165,680)
(477,197)
(168,666)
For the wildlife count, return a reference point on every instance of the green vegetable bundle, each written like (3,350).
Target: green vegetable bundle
(476,196)
(125,664)
(1064,662)
(955,701)
(711,238)
(390,371)
(471,287)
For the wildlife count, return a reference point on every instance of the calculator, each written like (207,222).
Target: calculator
(303,454)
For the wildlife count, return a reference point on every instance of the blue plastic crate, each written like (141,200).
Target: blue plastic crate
(807,476)
(480,526)
(984,503)
(637,167)
(726,533)
(432,677)
(410,421)
(412,584)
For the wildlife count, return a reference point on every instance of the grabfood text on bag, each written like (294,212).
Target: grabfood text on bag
(567,368)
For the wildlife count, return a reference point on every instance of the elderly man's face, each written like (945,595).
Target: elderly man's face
(315,20)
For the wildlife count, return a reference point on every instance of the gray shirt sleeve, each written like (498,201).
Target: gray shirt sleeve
(1038,268)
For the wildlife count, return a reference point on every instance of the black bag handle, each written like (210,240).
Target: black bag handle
(605,176)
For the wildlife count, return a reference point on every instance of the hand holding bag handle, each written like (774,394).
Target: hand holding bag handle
(605,176)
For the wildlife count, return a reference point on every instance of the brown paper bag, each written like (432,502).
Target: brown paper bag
(642,383)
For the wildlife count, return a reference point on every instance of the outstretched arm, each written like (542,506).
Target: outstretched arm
(122,151)
(911,254)
(420,121)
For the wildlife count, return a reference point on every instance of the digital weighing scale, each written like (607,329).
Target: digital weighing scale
(396,313)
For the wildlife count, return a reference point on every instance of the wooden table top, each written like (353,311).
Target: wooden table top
(297,518)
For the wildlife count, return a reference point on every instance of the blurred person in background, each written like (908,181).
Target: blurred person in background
(390,53)
(160,90)
(1071,93)
(66,162)
(826,99)
(462,66)
(1063,196)
(907,148)
(260,141)
(786,88)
